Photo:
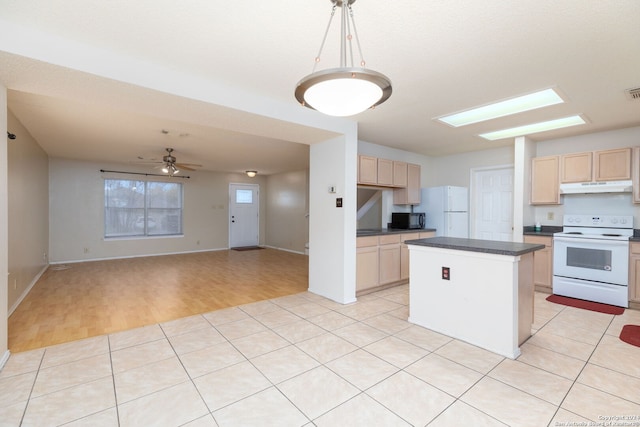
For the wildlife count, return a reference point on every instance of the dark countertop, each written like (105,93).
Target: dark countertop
(475,245)
(546,230)
(383,231)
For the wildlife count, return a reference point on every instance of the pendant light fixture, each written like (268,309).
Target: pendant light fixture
(346,90)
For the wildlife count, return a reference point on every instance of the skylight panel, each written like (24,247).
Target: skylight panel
(507,107)
(534,128)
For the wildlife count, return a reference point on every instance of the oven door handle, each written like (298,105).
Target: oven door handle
(588,241)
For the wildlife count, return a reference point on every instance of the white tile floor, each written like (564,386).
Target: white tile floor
(303,360)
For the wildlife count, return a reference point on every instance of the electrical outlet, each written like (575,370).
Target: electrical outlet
(550,216)
(446,273)
(86,250)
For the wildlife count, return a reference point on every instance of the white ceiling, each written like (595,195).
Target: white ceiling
(100,80)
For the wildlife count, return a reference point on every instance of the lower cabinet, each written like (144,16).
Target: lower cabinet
(542,263)
(383,260)
(404,250)
(389,259)
(634,272)
(366,262)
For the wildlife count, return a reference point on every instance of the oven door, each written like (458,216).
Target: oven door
(597,260)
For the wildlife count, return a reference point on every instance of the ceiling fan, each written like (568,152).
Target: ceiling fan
(170,166)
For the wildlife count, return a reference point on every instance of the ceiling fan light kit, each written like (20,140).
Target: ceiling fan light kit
(346,90)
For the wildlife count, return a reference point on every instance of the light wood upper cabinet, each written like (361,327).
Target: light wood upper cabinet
(635,173)
(399,174)
(411,194)
(367,170)
(576,167)
(544,180)
(385,172)
(605,165)
(612,165)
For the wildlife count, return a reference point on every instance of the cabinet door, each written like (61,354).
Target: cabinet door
(544,181)
(399,174)
(635,171)
(385,172)
(411,194)
(576,167)
(634,272)
(389,263)
(611,165)
(366,267)
(404,254)
(367,170)
(542,261)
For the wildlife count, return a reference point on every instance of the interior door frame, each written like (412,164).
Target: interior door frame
(473,192)
(256,187)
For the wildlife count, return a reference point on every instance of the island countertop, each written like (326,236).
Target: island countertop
(476,245)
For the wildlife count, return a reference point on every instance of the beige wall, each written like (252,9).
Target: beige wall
(287,207)
(456,169)
(4,225)
(77,212)
(28,211)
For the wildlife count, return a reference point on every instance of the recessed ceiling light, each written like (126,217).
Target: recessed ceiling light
(507,107)
(534,128)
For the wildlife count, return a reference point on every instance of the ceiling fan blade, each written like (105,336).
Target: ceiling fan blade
(195,165)
(183,166)
(145,162)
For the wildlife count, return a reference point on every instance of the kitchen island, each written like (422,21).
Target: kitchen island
(478,291)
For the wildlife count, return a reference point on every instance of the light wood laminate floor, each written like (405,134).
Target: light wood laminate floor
(82,300)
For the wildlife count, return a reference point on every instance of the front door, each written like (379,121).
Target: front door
(493,203)
(244,210)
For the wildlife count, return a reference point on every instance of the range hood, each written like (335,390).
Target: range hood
(597,187)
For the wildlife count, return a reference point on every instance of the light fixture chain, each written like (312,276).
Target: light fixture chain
(324,39)
(355,33)
(348,17)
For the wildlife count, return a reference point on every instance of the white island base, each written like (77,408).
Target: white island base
(487,301)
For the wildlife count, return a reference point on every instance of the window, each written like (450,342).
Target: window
(142,208)
(244,196)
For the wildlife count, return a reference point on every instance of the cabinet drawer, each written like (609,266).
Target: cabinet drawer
(409,236)
(539,240)
(634,248)
(389,239)
(427,234)
(362,242)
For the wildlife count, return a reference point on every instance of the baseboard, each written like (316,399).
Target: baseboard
(135,256)
(283,249)
(26,291)
(4,359)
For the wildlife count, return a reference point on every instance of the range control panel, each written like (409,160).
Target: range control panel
(608,221)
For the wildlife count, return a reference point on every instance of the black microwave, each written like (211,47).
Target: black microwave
(407,220)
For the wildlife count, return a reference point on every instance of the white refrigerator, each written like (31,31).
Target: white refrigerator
(447,210)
